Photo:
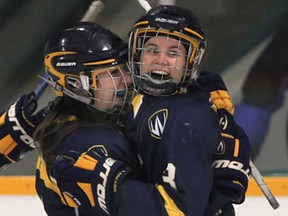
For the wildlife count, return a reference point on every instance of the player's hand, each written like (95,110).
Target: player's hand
(231,162)
(88,179)
(17,125)
(219,94)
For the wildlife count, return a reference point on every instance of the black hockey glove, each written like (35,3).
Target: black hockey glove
(231,163)
(230,167)
(89,179)
(220,96)
(17,125)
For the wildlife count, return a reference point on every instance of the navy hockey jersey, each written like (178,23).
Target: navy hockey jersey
(175,137)
(81,140)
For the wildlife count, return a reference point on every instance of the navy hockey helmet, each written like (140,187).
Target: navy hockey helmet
(75,58)
(171,22)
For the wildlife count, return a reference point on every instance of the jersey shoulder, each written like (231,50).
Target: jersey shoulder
(154,115)
(187,104)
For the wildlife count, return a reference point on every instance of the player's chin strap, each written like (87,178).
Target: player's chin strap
(66,91)
(155,87)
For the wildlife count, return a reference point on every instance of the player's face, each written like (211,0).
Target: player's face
(112,88)
(163,56)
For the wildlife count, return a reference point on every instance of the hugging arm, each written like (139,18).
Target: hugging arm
(231,162)
(17,125)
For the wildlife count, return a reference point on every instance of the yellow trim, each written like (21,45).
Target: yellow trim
(141,23)
(86,162)
(185,28)
(236,148)
(98,71)
(49,66)
(192,40)
(7,145)
(227,135)
(193,32)
(137,101)
(67,200)
(100,62)
(170,206)
(2,118)
(25,185)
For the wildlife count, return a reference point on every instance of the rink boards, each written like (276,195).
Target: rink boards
(18,197)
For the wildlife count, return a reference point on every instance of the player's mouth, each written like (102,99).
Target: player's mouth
(158,76)
(120,93)
(123,92)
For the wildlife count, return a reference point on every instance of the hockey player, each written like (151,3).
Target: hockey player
(86,64)
(172,132)
(160,42)
(173,128)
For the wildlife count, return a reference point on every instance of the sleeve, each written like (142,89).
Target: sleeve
(110,141)
(104,139)
(50,196)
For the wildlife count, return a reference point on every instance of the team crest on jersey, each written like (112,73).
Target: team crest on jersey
(157,122)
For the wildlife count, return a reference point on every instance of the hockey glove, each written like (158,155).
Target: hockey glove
(231,162)
(219,94)
(89,179)
(17,125)
(230,166)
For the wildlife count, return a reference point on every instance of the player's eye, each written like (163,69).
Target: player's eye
(174,53)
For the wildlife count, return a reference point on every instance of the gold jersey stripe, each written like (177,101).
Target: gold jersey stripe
(52,185)
(170,205)
(137,101)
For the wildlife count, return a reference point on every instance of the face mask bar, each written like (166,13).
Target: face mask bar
(162,85)
(114,89)
(105,90)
